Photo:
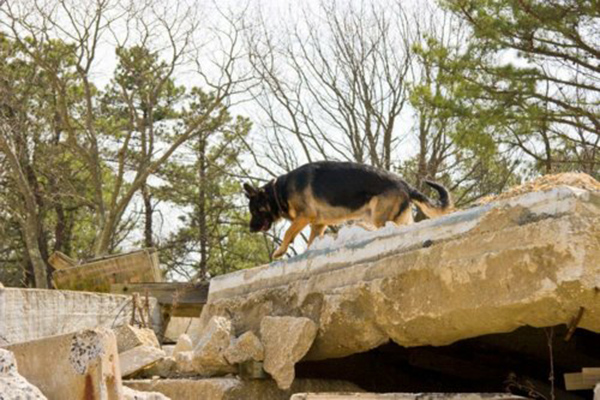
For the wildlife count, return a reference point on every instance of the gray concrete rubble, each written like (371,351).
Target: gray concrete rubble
(138,358)
(286,341)
(29,314)
(129,337)
(528,260)
(235,389)
(209,351)
(82,365)
(130,394)
(184,343)
(245,348)
(405,396)
(12,385)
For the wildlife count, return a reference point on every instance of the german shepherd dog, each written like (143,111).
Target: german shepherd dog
(328,193)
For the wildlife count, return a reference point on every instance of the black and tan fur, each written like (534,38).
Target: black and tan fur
(327,193)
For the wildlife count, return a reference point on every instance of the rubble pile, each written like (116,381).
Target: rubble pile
(526,258)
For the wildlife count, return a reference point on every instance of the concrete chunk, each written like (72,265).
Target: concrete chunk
(405,396)
(139,358)
(12,385)
(209,352)
(286,341)
(129,337)
(131,394)
(184,343)
(30,314)
(235,389)
(245,348)
(80,365)
(530,260)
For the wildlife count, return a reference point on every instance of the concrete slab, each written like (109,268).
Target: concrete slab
(528,260)
(30,314)
(405,396)
(81,365)
(139,358)
(12,385)
(234,388)
(129,337)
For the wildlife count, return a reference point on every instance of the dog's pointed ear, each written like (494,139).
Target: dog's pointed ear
(249,190)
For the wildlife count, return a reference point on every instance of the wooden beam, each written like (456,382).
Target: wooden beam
(180,299)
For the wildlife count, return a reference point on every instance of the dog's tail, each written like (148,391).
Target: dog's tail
(432,208)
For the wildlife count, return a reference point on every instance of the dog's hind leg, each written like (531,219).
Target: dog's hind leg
(405,217)
(315,230)
(295,228)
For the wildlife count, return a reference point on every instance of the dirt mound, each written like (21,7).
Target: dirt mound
(546,182)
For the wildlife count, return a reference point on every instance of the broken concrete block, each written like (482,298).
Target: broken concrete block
(405,396)
(184,343)
(58,312)
(1,285)
(286,341)
(235,388)
(180,325)
(168,349)
(129,336)
(209,352)
(530,260)
(185,362)
(166,367)
(245,348)
(75,366)
(12,385)
(131,394)
(138,358)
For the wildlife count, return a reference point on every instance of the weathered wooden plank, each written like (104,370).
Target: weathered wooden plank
(98,274)
(576,381)
(180,299)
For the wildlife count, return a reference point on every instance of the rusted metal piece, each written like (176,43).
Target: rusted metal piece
(574,323)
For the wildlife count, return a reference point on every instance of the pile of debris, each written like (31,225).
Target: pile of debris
(445,305)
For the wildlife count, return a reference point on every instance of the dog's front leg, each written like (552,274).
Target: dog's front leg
(295,228)
(315,230)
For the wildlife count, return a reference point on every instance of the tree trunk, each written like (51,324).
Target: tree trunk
(203,231)
(148,238)
(30,235)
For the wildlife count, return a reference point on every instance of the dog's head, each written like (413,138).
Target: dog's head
(263,214)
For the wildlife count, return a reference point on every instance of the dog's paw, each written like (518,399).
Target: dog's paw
(278,253)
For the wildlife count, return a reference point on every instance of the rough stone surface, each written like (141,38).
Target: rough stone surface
(30,314)
(286,341)
(405,396)
(185,362)
(236,389)
(131,394)
(165,368)
(81,365)
(168,349)
(12,385)
(129,336)
(528,260)
(209,352)
(138,358)
(245,348)
(184,343)
(180,325)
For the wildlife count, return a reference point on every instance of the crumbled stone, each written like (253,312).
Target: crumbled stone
(131,394)
(286,341)
(209,352)
(129,336)
(184,343)
(12,385)
(245,348)
(139,358)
